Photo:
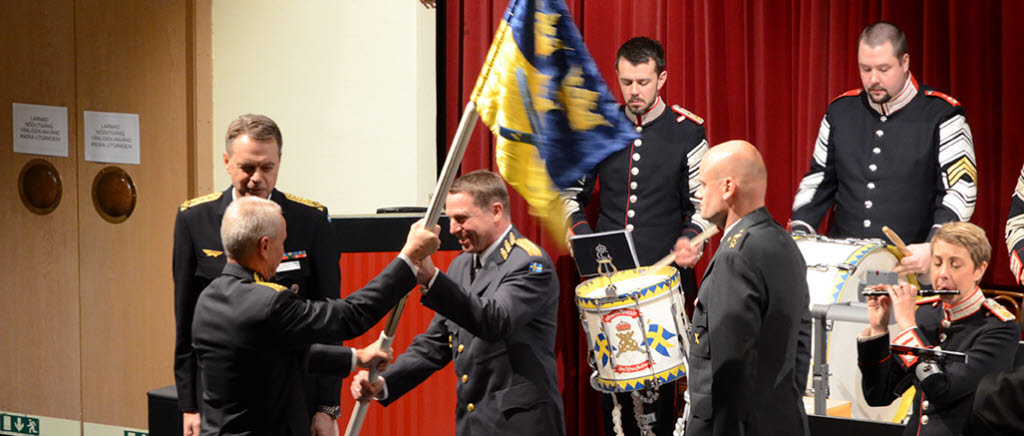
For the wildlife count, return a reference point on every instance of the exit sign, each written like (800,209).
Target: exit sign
(18,424)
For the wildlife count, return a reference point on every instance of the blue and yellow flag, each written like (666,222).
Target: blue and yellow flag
(542,95)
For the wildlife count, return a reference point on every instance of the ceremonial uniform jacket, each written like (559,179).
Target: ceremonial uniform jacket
(499,330)
(980,328)
(311,262)
(254,339)
(649,187)
(907,164)
(750,347)
(1015,230)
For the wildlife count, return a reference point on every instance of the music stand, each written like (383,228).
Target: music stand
(616,246)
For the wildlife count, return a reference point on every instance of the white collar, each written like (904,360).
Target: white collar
(966,307)
(651,114)
(497,242)
(727,229)
(898,102)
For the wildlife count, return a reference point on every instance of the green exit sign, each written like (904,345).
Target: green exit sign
(18,424)
(135,433)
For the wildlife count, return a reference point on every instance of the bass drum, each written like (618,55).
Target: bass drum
(834,269)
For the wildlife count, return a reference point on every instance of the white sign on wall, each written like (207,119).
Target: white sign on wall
(40,129)
(112,137)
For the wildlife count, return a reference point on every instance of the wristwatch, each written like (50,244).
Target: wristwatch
(333,411)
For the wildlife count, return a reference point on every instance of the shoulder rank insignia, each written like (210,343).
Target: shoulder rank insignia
(304,201)
(735,239)
(998,310)
(930,300)
(200,200)
(528,246)
(683,113)
(850,93)
(952,101)
(212,253)
(259,281)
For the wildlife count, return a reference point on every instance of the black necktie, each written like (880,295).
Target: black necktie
(476,268)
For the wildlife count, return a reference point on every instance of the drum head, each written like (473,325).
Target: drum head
(834,269)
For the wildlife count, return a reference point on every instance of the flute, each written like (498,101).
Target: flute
(923,292)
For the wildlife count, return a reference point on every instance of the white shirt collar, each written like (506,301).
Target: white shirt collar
(727,229)
(497,242)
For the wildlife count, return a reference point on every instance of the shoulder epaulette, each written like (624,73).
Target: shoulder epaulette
(850,93)
(259,281)
(528,246)
(200,200)
(929,300)
(305,201)
(952,101)
(998,310)
(737,239)
(683,113)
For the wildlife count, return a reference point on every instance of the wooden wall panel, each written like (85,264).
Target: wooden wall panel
(132,58)
(39,340)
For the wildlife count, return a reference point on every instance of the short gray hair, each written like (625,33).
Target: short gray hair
(246,221)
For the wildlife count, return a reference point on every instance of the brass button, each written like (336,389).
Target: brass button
(470,407)
(465,378)
(924,419)
(925,404)
(461,347)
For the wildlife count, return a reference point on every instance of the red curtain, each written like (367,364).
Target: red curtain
(765,71)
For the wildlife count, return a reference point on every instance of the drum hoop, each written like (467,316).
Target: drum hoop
(611,304)
(854,260)
(636,383)
(667,283)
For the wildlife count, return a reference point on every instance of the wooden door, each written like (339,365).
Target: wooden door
(39,342)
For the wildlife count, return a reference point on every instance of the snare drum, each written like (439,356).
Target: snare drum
(835,267)
(633,333)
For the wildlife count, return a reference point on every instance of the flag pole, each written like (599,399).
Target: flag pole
(444,183)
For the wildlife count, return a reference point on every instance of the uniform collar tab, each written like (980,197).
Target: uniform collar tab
(653,113)
(898,102)
(964,308)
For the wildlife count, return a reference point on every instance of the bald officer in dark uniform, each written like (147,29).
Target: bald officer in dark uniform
(252,158)
(496,322)
(747,364)
(254,338)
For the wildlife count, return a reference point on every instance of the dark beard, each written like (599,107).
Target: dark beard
(642,111)
(881,100)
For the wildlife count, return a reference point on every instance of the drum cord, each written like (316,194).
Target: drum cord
(617,416)
(681,421)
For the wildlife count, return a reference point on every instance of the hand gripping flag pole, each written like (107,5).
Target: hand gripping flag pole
(451,166)
(554,119)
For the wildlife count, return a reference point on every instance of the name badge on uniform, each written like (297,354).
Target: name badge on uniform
(291,265)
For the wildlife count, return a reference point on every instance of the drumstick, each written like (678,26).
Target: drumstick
(665,261)
(896,240)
